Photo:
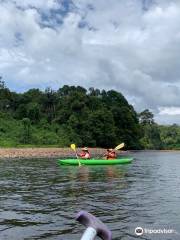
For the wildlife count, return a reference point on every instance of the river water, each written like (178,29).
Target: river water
(39,199)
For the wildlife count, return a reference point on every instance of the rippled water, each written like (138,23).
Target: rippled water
(38,198)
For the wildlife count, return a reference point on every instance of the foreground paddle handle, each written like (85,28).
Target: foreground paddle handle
(94,227)
(89,234)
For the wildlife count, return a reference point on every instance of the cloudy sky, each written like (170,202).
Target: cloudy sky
(132,46)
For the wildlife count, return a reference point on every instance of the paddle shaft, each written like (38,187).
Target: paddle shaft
(77,158)
(73,147)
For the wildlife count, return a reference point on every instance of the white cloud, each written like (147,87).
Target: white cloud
(167,119)
(169,111)
(120,46)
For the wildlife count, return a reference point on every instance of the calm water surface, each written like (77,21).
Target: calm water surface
(38,198)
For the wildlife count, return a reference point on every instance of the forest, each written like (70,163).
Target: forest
(73,114)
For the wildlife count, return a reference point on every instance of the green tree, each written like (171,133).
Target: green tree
(33,112)
(5,96)
(26,134)
(146,117)
(49,104)
(151,137)
(100,126)
(170,136)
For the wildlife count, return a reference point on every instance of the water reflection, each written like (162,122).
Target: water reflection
(96,173)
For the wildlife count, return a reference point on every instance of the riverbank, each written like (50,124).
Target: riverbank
(10,153)
(26,153)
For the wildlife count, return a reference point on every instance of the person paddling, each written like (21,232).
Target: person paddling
(110,154)
(85,154)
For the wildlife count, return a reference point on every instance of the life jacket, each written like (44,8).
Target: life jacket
(85,155)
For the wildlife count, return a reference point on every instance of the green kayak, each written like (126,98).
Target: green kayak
(94,161)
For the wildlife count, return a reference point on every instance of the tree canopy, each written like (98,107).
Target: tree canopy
(71,114)
(87,117)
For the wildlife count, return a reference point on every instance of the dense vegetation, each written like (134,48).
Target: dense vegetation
(74,114)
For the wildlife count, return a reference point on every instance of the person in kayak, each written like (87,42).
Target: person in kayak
(84,154)
(110,154)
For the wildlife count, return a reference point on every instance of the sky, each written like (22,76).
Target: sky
(132,46)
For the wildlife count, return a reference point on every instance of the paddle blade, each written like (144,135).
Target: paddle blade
(73,147)
(119,146)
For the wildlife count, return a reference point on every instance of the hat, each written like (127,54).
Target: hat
(110,150)
(85,149)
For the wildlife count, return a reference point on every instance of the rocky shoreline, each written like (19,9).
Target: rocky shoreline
(26,153)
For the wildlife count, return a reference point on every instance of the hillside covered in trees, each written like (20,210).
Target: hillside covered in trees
(74,114)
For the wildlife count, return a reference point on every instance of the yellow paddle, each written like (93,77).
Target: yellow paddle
(119,146)
(73,147)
